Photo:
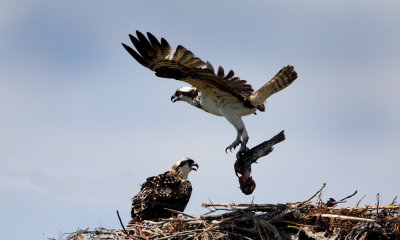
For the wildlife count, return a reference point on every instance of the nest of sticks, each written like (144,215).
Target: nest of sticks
(299,220)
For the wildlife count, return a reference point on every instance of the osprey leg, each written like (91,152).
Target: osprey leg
(241,137)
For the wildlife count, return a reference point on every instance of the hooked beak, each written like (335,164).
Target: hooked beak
(194,167)
(174,98)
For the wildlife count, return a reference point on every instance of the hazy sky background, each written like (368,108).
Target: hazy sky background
(83,124)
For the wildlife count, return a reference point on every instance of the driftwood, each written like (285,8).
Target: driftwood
(245,159)
(298,220)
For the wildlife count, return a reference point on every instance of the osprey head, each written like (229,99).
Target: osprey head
(187,94)
(183,167)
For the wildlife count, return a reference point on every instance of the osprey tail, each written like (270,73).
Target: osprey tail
(280,81)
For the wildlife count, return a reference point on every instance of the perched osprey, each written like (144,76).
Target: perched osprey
(215,93)
(169,190)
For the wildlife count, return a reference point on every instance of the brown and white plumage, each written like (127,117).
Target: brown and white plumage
(170,190)
(213,91)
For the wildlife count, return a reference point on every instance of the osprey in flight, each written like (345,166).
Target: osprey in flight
(169,190)
(214,92)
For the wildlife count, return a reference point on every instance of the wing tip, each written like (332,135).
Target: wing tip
(280,136)
(134,54)
(290,72)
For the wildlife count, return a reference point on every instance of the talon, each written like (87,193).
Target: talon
(233,146)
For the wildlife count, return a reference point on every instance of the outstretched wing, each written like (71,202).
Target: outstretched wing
(183,65)
(280,81)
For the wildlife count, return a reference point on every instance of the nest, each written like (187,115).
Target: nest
(299,220)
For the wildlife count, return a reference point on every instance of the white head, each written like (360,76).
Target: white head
(187,94)
(183,167)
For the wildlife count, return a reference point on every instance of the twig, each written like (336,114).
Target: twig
(332,202)
(344,217)
(349,235)
(237,235)
(293,223)
(232,205)
(271,228)
(319,201)
(349,196)
(377,204)
(204,231)
(283,213)
(141,226)
(122,225)
(162,222)
(222,205)
(171,236)
(211,203)
(383,207)
(313,196)
(390,233)
(360,200)
(220,216)
(257,223)
(394,201)
(179,212)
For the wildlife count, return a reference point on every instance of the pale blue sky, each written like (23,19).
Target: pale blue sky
(83,124)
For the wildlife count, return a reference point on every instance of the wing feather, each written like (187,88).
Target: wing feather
(154,41)
(140,47)
(135,55)
(145,43)
(184,66)
(195,62)
(179,52)
(280,81)
(166,49)
(155,44)
(230,74)
(187,55)
(221,73)
(210,67)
